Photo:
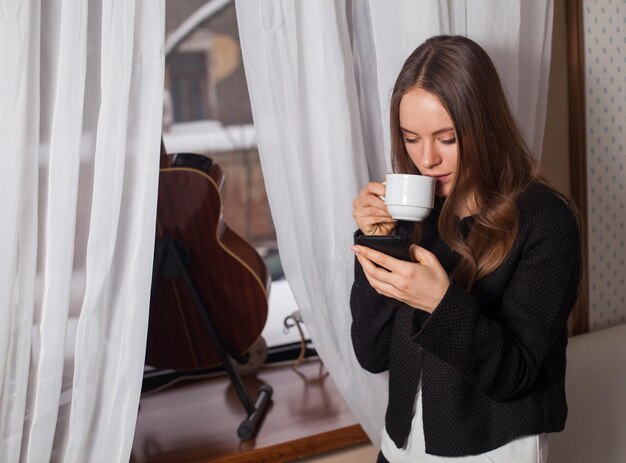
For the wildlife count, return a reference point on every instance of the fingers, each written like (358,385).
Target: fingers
(375,212)
(374,256)
(373,188)
(375,275)
(381,280)
(421,255)
(374,222)
(421,285)
(390,266)
(370,197)
(370,212)
(369,201)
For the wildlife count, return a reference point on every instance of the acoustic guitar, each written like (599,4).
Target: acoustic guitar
(228,274)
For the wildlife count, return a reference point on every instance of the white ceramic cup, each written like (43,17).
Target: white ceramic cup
(409,197)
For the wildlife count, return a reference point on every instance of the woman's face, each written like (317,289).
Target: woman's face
(429,138)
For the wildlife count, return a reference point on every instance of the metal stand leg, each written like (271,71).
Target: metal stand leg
(172,248)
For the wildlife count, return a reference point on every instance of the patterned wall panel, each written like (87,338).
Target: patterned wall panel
(605,82)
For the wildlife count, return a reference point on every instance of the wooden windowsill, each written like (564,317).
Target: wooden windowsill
(197,421)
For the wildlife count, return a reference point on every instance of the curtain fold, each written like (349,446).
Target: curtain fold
(320,76)
(58,206)
(304,94)
(19,132)
(81,127)
(520,45)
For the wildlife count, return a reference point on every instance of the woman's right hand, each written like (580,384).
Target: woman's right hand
(370,211)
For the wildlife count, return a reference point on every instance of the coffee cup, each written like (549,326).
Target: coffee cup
(409,197)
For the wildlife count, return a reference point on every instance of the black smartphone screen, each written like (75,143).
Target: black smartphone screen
(395,246)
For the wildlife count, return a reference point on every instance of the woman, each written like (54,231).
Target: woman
(474,333)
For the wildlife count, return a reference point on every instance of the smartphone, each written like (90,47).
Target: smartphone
(393,245)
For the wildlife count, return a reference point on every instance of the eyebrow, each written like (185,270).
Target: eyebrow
(436,132)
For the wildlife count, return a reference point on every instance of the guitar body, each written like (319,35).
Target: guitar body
(227,272)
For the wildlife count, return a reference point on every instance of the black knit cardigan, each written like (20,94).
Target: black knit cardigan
(492,362)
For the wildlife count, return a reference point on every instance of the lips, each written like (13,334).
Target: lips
(441,178)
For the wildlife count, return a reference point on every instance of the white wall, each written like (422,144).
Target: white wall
(605,95)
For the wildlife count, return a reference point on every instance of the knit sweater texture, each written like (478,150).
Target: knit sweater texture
(492,361)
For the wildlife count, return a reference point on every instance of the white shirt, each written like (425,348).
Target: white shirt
(526,449)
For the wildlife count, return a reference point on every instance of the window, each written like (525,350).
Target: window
(187,86)
(208,112)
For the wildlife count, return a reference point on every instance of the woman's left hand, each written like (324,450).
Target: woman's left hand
(421,285)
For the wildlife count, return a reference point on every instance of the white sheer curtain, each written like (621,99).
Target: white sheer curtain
(320,76)
(80,120)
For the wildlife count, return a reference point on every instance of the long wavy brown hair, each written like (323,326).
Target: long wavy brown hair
(494,164)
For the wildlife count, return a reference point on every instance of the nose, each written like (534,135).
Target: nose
(430,157)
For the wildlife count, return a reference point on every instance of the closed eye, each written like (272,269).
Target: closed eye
(411,140)
(449,141)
